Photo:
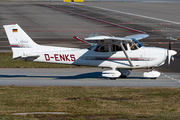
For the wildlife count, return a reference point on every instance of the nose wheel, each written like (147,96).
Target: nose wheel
(152,74)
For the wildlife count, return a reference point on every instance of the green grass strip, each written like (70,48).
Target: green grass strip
(91,102)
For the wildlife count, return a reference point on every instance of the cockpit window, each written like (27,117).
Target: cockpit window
(138,43)
(117,47)
(89,48)
(102,48)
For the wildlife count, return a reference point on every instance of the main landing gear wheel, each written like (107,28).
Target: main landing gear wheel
(123,76)
(112,78)
(124,73)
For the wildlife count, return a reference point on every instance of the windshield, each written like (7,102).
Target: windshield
(138,43)
(89,48)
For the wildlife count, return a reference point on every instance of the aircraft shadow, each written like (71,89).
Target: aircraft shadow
(80,76)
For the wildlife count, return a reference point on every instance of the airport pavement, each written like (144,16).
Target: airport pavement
(58,21)
(81,77)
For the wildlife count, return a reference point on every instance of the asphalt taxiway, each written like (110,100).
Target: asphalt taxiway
(56,23)
(81,77)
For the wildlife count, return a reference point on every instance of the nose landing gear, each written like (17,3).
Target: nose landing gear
(152,74)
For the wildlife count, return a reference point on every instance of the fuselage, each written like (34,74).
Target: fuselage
(143,57)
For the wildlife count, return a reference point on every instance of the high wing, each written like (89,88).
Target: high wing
(137,36)
(112,39)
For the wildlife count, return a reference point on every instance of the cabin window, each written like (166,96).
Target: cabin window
(133,46)
(117,47)
(102,48)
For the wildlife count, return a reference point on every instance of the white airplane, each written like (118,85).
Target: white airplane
(121,54)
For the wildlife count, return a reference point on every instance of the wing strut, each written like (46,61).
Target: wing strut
(126,54)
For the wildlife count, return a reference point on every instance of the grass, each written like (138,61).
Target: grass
(6,61)
(90,102)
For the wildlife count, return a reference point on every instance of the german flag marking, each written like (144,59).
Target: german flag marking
(15,30)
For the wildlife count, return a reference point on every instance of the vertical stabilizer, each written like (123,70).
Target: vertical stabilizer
(21,43)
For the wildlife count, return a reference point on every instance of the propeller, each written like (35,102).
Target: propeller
(171,53)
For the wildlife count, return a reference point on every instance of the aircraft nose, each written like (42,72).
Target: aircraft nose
(172,52)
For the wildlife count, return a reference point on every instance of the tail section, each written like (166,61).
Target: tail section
(21,43)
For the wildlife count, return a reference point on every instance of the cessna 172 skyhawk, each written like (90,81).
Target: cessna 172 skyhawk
(119,54)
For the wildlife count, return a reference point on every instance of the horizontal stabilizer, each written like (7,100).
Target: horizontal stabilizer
(27,57)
